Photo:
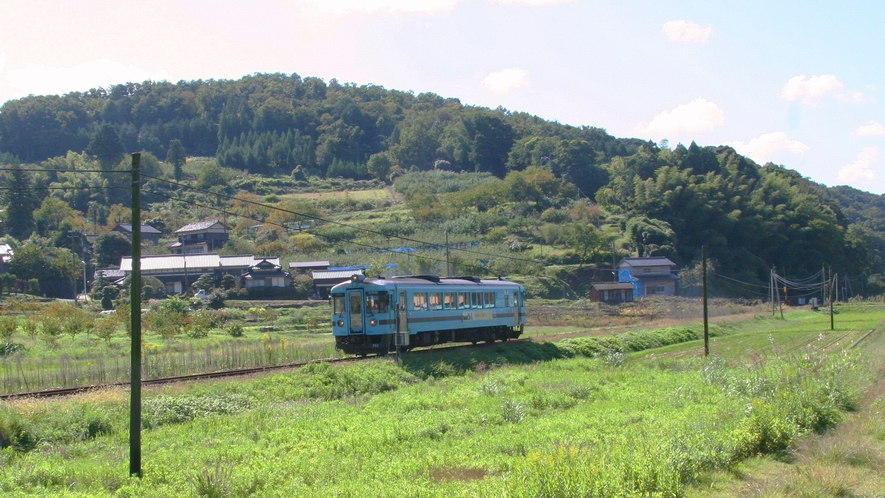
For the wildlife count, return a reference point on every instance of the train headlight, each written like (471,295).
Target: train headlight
(340,323)
(373,322)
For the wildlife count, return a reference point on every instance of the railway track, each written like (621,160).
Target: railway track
(237,372)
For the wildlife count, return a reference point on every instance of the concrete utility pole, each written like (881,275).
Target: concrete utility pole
(706,326)
(135,323)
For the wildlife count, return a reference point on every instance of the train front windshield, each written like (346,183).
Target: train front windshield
(338,304)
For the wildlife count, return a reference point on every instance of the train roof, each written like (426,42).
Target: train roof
(432,281)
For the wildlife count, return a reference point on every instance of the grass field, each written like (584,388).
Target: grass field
(526,419)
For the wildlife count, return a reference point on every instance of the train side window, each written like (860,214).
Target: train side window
(490,300)
(450,299)
(419,300)
(436,300)
(377,302)
(463,300)
(338,304)
(476,299)
(506,300)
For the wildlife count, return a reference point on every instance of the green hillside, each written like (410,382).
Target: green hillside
(514,194)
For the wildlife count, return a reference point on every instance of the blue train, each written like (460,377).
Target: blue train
(378,315)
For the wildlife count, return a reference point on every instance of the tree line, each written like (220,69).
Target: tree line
(628,196)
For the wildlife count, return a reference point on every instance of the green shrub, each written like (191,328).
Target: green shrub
(235,330)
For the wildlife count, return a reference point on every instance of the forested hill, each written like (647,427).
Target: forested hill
(654,199)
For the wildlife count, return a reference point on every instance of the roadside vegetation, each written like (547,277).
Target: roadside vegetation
(640,414)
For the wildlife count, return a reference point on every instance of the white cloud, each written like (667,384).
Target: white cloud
(46,80)
(698,116)
(762,148)
(341,7)
(871,129)
(3,60)
(812,90)
(862,167)
(686,31)
(506,79)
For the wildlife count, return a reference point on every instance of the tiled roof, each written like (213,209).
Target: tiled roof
(651,261)
(176,262)
(110,273)
(309,264)
(144,228)
(200,225)
(335,275)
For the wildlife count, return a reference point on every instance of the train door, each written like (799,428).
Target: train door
(516,308)
(402,320)
(355,310)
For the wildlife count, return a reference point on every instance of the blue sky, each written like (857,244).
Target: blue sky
(796,83)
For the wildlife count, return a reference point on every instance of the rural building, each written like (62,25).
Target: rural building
(305,267)
(324,280)
(611,292)
(266,274)
(650,276)
(113,275)
(148,233)
(200,238)
(179,272)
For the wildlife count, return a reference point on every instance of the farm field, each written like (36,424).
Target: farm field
(358,195)
(59,345)
(575,417)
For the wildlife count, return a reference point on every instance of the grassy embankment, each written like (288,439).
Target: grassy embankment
(517,420)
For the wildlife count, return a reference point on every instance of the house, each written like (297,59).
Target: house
(650,276)
(148,233)
(266,274)
(179,272)
(305,267)
(324,280)
(200,238)
(113,275)
(608,292)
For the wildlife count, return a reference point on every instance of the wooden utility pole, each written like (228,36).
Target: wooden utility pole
(706,328)
(832,324)
(135,316)
(448,268)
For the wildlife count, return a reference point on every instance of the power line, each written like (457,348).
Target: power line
(329,221)
(380,249)
(45,170)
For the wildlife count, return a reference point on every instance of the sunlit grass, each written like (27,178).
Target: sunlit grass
(508,420)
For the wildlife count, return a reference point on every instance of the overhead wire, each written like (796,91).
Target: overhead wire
(280,225)
(334,222)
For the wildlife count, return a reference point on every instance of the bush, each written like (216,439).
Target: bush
(235,330)
(216,299)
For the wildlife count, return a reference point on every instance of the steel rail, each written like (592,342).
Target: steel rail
(220,374)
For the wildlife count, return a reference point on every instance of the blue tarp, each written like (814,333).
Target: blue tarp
(624,275)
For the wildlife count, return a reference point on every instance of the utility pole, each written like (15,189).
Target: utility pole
(72,235)
(706,327)
(135,315)
(448,268)
(832,324)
